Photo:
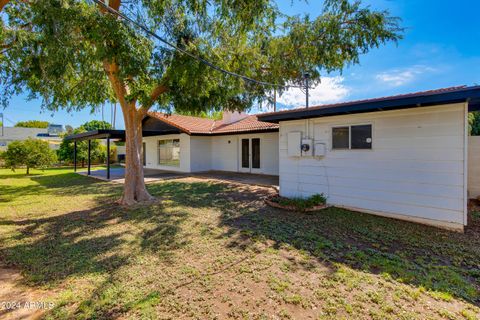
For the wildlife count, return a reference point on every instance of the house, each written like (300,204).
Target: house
(403,156)
(10,134)
(236,143)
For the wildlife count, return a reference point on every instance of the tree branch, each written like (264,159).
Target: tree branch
(157,92)
(114,4)
(3,3)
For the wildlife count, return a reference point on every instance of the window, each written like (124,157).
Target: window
(169,152)
(352,137)
(340,137)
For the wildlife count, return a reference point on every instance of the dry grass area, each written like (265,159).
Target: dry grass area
(207,250)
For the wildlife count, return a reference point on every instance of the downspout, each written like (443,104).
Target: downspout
(307,129)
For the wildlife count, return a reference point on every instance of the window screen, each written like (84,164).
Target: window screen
(340,136)
(169,152)
(361,137)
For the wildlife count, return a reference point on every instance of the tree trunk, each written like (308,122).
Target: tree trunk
(134,189)
(28,170)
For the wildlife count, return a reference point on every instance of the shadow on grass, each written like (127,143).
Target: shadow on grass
(50,249)
(418,255)
(60,184)
(96,240)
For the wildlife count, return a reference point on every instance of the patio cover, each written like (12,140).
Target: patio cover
(108,134)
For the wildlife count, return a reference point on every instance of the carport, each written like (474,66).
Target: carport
(107,134)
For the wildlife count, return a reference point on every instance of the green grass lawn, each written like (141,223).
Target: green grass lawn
(212,251)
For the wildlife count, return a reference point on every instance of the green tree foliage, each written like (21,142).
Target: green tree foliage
(30,153)
(215,115)
(75,55)
(474,123)
(98,151)
(95,125)
(32,124)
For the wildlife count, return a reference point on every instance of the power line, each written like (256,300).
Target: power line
(206,62)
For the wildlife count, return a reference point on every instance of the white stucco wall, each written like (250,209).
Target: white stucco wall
(415,169)
(200,153)
(204,153)
(151,145)
(226,152)
(474,166)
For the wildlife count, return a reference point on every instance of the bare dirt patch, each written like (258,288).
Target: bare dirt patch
(18,301)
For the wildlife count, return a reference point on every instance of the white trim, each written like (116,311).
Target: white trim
(465,167)
(250,168)
(349,125)
(158,153)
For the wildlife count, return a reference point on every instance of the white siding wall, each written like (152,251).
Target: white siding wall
(151,144)
(414,171)
(474,166)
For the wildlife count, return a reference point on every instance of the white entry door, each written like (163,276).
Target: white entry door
(250,155)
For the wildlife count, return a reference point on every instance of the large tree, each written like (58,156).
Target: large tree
(75,54)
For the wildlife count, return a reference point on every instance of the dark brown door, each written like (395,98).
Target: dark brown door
(245,155)
(256,153)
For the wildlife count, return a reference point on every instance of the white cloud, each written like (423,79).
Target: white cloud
(400,77)
(331,89)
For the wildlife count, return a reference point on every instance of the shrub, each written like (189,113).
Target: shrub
(302,204)
(30,153)
(474,123)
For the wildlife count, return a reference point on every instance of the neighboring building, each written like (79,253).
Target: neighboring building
(11,134)
(54,129)
(237,143)
(402,156)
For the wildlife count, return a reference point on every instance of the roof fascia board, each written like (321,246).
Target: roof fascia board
(374,106)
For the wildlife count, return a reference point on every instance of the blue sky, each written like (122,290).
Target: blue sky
(441,48)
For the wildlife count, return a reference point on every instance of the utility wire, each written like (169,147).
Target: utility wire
(200,59)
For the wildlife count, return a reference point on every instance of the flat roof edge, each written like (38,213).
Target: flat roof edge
(463,95)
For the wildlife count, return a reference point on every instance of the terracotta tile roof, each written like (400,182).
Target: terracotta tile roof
(196,125)
(399,96)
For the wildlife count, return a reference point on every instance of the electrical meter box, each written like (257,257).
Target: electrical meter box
(294,144)
(307,147)
(320,149)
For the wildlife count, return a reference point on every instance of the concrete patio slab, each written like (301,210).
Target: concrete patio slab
(117,175)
